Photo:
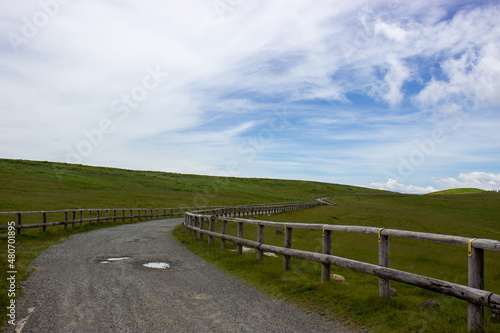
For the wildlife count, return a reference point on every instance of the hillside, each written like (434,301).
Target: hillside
(30,185)
(459,191)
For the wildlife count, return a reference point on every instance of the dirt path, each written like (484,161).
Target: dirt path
(76,288)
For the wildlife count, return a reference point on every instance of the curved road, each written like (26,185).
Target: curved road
(74,288)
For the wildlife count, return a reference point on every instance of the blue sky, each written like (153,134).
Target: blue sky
(396,95)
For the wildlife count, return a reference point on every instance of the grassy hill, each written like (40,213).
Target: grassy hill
(459,191)
(29,185)
(33,185)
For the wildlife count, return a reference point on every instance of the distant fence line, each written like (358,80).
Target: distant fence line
(474,293)
(79,216)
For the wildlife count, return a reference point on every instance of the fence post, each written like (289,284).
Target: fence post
(66,220)
(327,249)
(44,221)
(211,227)
(123,215)
(19,223)
(73,220)
(114,215)
(260,239)
(202,224)
(90,216)
(239,247)
(194,223)
(287,260)
(384,285)
(475,320)
(98,216)
(224,230)
(81,217)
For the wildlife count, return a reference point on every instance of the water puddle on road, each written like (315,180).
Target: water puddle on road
(159,265)
(109,260)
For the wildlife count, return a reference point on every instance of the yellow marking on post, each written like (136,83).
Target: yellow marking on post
(470,247)
(380,235)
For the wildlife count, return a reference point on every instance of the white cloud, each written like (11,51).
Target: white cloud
(393,185)
(481,180)
(394,80)
(472,81)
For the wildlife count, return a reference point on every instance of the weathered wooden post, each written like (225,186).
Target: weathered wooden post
(384,285)
(260,239)
(66,220)
(224,230)
(19,223)
(107,216)
(73,219)
(202,224)
(44,221)
(114,215)
(123,215)
(327,249)
(287,260)
(90,216)
(239,247)
(98,215)
(194,223)
(81,217)
(475,320)
(211,227)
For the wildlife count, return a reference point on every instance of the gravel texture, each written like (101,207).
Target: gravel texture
(75,288)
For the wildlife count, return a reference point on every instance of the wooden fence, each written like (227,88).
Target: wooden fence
(79,216)
(474,293)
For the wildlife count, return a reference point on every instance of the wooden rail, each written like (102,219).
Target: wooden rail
(80,216)
(474,293)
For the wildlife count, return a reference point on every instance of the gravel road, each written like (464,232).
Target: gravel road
(76,288)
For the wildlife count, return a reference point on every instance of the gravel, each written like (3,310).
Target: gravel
(77,288)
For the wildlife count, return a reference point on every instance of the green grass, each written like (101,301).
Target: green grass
(459,191)
(358,302)
(28,185)
(32,185)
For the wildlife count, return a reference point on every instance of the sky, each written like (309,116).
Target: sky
(396,95)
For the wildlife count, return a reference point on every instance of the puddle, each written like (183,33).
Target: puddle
(113,259)
(159,265)
(117,259)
